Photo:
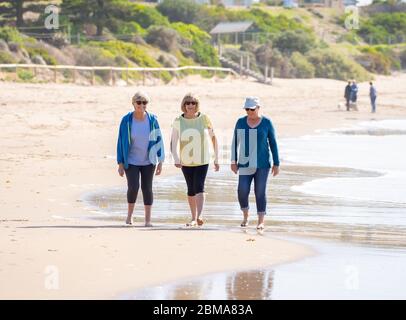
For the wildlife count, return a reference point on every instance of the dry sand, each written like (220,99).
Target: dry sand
(58,142)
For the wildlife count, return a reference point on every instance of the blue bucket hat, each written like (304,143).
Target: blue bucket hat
(251,103)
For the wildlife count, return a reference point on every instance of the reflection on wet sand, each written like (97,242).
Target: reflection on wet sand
(244,285)
(250,285)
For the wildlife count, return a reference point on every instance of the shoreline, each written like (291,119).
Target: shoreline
(57,149)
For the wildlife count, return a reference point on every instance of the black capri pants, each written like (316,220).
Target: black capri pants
(195,178)
(133,174)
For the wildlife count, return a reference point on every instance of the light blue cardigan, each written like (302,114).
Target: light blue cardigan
(155,147)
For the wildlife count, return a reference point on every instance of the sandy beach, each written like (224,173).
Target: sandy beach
(58,142)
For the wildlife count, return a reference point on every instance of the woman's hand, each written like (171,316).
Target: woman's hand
(234,168)
(275,171)
(158,169)
(178,165)
(121,170)
(216,167)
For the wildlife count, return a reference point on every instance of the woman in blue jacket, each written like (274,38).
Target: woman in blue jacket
(140,154)
(253,142)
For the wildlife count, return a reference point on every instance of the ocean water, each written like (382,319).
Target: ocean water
(378,146)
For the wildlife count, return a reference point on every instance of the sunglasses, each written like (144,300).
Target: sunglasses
(250,109)
(193,103)
(141,102)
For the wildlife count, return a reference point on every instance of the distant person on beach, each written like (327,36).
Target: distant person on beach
(253,142)
(140,154)
(347,95)
(354,95)
(191,129)
(372,96)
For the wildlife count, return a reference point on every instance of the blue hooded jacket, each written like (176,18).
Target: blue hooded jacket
(155,147)
(265,142)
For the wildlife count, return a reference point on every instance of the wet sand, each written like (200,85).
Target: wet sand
(338,272)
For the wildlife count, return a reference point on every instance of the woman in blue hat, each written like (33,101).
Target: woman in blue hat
(253,144)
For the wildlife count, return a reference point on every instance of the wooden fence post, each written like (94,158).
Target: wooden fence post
(266,73)
(112,77)
(241,65)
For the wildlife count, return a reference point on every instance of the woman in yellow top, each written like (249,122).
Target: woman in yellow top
(191,129)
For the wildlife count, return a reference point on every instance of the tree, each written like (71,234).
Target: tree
(15,9)
(186,11)
(110,13)
(96,12)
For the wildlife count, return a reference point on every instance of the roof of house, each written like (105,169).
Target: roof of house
(231,27)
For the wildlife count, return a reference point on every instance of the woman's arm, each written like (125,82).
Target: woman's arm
(216,149)
(274,149)
(234,155)
(120,157)
(174,147)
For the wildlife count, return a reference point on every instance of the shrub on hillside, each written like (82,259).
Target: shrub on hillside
(378,60)
(6,57)
(93,56)
(350,37)
(329,64)
(133,53)
(289,41)
(38,51)
(166,39)
(199,41)
(302,67)
(383,28)
(267,55)
(25,75)
(186,11)
(10,34)
(144,15)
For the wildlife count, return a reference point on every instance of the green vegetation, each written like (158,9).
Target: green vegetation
(384,28)
(303,68)
(123,51)
(25,75)
(10,34)
(35,51)
(290,41)
(329,64)
(298,42)
(200,40)
(6,57)
(186,11)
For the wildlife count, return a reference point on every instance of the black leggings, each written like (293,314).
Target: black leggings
(195,178)
(133,182)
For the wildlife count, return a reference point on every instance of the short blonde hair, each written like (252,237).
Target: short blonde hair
(190,96)
(139,96)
